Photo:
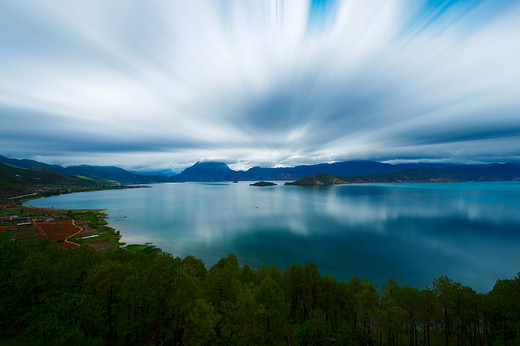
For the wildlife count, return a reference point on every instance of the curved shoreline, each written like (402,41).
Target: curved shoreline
(105,234)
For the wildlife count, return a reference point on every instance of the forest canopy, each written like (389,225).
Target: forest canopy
(142,296)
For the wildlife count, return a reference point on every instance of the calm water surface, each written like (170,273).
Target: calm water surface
(411,232)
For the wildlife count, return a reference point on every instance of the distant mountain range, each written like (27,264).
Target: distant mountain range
(355,171)
(497,172)
(93,172)
(219,171)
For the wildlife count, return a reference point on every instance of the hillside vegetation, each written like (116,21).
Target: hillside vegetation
(137,297)
(16,181)
(498,172)
(318,179)
(100,173)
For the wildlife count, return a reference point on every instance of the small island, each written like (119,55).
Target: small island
(263,183)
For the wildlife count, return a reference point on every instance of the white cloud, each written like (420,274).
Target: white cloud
(256,83)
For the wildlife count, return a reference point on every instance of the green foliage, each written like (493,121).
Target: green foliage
(96,219)
(5,236)
(130,296)
(12,177)
(201,322)
(271,314)
(314,332)
(147,248)
(92,239)
(503,303)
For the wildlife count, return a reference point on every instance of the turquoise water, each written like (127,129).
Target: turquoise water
(411,232)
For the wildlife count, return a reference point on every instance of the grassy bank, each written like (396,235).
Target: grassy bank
(96,219)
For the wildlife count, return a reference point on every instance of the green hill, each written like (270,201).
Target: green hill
(106,173)
(318,179)
(15,181)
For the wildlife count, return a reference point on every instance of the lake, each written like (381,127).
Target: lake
(411,232)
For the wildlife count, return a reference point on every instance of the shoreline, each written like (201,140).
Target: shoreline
(97,200)
(60,225)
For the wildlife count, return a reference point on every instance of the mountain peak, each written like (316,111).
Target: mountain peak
(208,171)
(209,164)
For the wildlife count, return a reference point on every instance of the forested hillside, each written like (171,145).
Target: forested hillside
(133,297)
(15,181)
(102,173)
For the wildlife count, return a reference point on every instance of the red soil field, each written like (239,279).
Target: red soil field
(58,230)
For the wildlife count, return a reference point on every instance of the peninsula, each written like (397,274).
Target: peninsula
(318,179)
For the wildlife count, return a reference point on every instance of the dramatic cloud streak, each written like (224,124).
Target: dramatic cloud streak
(166,83)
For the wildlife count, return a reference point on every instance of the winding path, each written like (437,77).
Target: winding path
(73,235)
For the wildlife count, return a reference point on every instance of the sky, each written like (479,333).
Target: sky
(146,84)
